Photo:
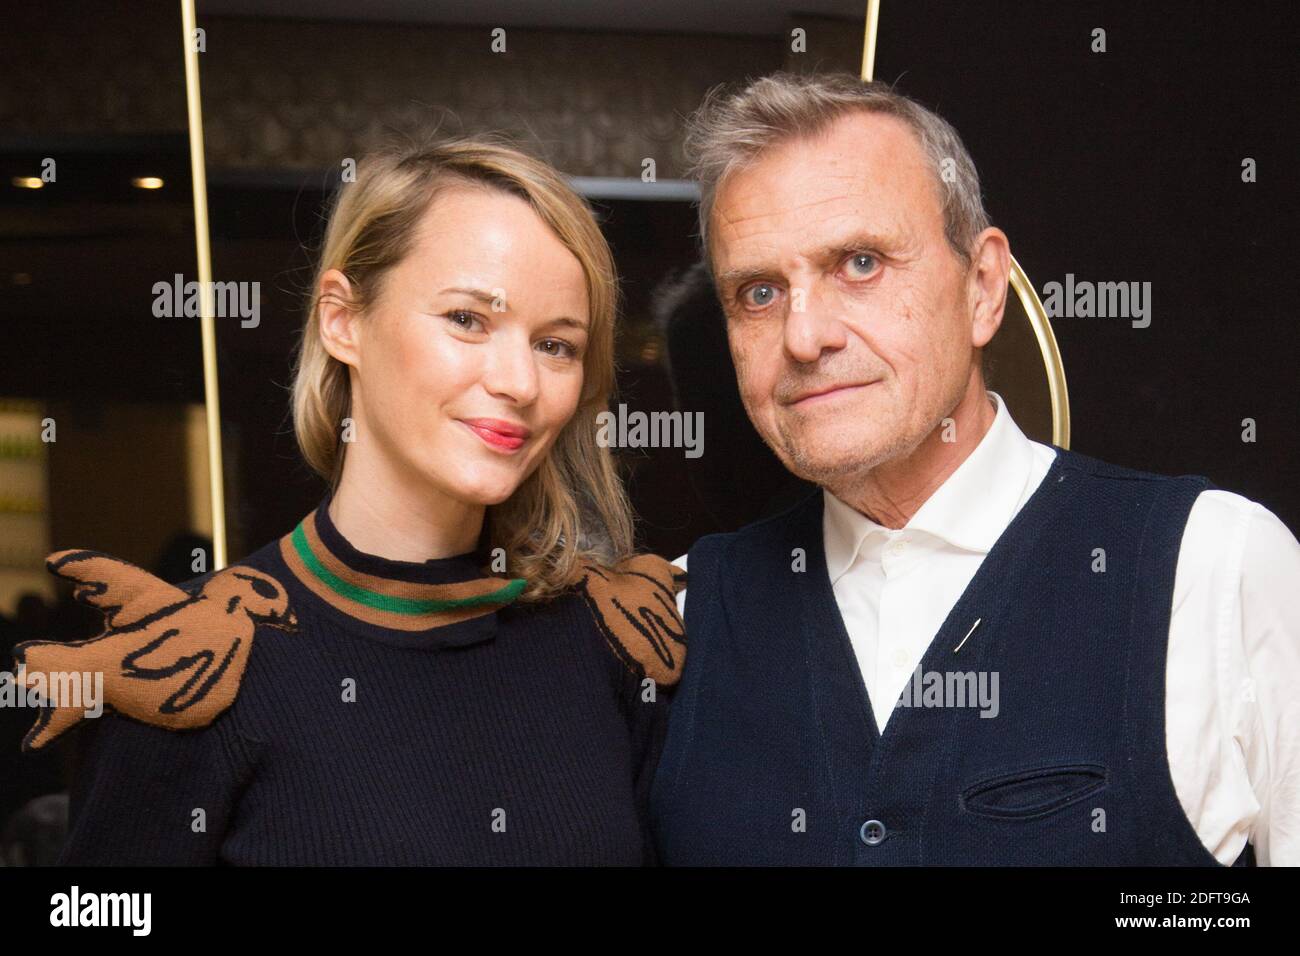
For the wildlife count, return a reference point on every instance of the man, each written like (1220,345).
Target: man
(967,647)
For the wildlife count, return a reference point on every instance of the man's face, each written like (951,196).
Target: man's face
(846,308)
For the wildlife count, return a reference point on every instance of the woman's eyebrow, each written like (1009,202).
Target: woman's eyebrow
(565,321)
(487,298)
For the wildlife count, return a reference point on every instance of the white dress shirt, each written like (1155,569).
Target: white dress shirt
(1232,677)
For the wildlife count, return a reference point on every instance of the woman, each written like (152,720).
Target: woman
(452,660)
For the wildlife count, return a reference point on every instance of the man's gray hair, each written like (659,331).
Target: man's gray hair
(730,130)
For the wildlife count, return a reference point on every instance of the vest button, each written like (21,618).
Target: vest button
(872,833)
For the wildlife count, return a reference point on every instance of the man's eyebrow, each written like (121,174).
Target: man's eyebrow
(857,242)
(730,277)
(489,299)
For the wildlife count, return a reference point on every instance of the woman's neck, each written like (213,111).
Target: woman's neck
(379,513)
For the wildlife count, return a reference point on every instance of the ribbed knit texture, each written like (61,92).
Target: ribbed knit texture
(516,737)
(773,754)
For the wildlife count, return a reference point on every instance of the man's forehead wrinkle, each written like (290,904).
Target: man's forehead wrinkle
(765,213)
(751,201)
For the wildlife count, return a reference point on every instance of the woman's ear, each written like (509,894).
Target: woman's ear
(339,323)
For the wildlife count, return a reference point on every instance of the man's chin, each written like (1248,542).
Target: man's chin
(827,467)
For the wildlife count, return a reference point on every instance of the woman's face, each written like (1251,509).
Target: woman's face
(470,362)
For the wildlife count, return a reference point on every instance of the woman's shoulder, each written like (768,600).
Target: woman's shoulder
(633,605)
(169,655)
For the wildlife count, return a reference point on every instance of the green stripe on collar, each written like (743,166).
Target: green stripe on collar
(396,605)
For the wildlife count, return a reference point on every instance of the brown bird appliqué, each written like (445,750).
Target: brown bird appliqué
(635,607)
(169,658)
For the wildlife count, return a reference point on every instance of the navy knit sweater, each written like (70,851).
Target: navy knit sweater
(519,736)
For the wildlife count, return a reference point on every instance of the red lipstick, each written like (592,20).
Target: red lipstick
(497,432)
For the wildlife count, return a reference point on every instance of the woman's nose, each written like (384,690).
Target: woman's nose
(512,373)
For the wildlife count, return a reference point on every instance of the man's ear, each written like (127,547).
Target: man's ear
(990,270)
(339,323)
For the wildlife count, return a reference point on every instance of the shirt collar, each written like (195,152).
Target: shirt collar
(970,510)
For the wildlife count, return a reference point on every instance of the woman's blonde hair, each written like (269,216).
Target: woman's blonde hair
(572,509)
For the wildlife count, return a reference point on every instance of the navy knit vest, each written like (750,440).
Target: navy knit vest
(773,755)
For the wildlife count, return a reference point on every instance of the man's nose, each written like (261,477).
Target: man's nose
(812,325)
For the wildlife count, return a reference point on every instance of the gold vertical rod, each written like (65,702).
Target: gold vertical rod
(869,41)
(1058,394)
(207,325)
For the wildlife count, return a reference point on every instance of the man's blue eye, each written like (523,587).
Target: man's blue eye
(862,264)
(761,294)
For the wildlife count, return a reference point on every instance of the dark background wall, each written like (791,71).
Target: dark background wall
(1127,166)
(1115,166)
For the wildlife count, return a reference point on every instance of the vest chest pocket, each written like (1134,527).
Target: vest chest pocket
(1027,794)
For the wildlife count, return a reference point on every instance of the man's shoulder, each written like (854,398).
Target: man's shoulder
(1228,528)
(772,527)
(1079,463)
(1220,522)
